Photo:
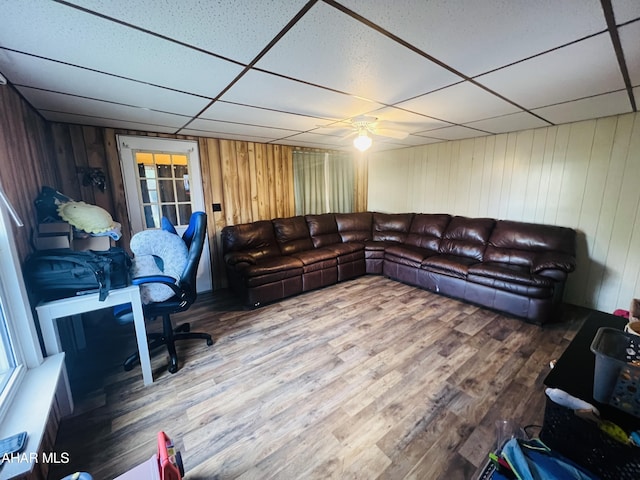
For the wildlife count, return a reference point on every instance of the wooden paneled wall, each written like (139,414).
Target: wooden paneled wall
(584,175)
(26,160)
(250,181)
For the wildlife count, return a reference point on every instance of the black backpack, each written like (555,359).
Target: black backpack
(60,273)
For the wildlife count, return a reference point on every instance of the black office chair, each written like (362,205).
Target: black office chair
(185,294)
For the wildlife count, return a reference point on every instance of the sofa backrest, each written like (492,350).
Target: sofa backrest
(467,237)
(323,229)
(519,243)
(427,230)
(256,239)
(391,227)
(292,234)
(354,227)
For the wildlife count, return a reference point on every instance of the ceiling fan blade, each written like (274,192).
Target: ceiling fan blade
(388,132)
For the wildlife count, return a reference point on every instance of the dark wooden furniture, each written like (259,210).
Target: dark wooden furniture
(573,371)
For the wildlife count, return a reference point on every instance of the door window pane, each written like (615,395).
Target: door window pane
(163,181)
(185,213)
(169,211)
(151,216)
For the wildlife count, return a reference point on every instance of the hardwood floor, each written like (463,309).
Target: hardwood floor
(366,379)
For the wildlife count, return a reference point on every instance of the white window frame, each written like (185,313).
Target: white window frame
(20,322)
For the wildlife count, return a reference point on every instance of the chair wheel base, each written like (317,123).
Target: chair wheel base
(209,342)
(128,367)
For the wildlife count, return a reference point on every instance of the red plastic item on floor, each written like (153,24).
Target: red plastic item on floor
(169,460)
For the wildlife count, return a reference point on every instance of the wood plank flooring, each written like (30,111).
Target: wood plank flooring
(367,379)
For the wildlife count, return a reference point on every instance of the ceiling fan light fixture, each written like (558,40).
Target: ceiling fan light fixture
(362,142)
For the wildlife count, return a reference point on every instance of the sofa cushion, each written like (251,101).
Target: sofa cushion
(533,237)
(467,237)
(323,229)
(354,227)
(292,234)
(270,270)
(316,255)
(391,227)
(407,254)
(537,246)
(427,230)
(529,291)
(254,240)
(449,264)
(347,252)
(509,273)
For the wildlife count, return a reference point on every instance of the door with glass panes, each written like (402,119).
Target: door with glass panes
(162,179)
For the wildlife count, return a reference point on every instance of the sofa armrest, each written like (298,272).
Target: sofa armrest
(553,260)
(235,258)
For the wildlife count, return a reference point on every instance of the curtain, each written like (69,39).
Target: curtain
(339,168)
(323,182)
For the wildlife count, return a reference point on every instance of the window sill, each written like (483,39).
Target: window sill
(29,411)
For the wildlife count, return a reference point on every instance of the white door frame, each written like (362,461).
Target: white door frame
(127,145)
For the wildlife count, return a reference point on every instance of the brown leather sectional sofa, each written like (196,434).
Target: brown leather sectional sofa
(513,267)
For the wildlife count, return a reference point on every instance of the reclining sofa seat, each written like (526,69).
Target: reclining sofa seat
(350,255)
(256,268)
(514,267)
(319,265)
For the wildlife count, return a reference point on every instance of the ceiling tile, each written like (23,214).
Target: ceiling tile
(46,74)
(225,136)
(457,132)
(384,146)
(399,119)
(509,123)
(625,10)
(232,112)
(459,103)
(62,33)
(59,102)
(173,58)
(590,67)
(270,91)
(594,107)
(331,49)
(477,36)
(104,122)
(215,126)
(412,140)
(314,140)
(206,24)
(630,39)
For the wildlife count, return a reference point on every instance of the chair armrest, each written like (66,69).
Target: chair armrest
(163,279)
(554,260)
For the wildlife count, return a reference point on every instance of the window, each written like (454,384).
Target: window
(323,182)
(7,354)
(19,346)
(164,187)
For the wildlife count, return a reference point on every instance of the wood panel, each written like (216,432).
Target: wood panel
(583,175)
(368,378)
(26,161)
(250,181)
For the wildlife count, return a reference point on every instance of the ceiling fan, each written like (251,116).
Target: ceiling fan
(365,127)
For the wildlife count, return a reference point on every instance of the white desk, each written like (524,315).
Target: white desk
(49,312)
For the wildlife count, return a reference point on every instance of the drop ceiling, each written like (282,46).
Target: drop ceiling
(292,71)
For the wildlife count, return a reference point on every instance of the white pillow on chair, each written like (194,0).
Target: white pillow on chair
(157,252)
